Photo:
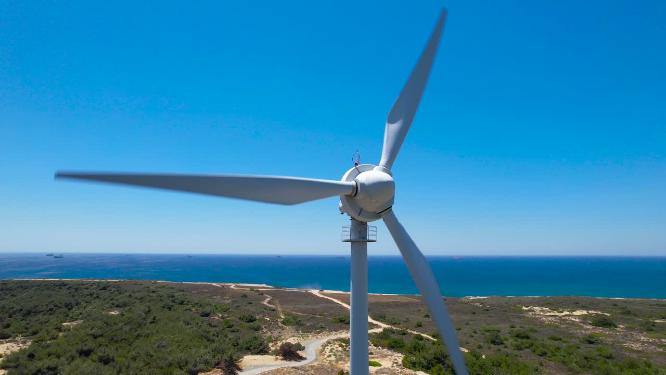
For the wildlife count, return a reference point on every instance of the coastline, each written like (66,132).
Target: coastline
(605,277)
(259,286)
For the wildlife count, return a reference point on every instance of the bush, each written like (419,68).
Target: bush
(290,351)
(372,363)
(290,320)
(229,365)
(592,338)
(248,318)
(521,334)
(344,319)
(604,352)
(521,344)
(495,338)
(603,321)
(648,326)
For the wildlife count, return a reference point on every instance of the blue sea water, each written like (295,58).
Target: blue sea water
(637,277)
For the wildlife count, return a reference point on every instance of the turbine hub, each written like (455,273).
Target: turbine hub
(374,190)
(374,193)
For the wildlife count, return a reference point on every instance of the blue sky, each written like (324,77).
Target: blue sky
(542,130)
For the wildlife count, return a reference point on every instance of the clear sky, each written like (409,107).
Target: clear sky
(542,130)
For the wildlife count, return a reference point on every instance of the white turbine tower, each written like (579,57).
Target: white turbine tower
(366,194)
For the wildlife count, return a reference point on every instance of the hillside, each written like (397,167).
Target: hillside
(105,327)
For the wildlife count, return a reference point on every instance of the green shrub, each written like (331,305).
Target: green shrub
(372,363)
(521,334)
(344,319)
(495,338)
(521,344)
(603,321)
(592,338)
(604,352)
(248,318)
(290,351)
(228,364)
(290,320)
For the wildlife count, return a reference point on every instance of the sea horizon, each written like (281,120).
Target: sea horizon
(319,254)
(608,276)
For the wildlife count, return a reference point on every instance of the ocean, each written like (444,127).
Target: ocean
(627,277)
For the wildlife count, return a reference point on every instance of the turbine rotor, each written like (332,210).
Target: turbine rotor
(373,195)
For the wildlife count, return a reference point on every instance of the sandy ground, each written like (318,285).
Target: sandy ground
(257,364)
(71,325)
(321,348)
(313,353)
(637,341)
(9,346)
(544,311)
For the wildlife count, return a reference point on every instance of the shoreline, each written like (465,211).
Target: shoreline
(267,286)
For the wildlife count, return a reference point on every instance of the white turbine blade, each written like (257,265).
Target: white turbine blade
(271,189)
(400,118)
(427,284)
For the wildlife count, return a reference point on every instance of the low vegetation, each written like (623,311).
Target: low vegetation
(372,363)
(79,327)
(603,321)
(430,356)
(121,328)
(588,357)
(344,319)
(292,321)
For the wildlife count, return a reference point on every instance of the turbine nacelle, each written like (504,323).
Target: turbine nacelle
(373,194)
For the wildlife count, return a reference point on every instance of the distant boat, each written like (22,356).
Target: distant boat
(49,254)
(58,256)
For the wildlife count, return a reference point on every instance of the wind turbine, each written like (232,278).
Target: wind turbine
(366,194)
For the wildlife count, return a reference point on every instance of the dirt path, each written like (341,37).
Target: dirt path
(257,287)
(313,346)
(311,353)
(381,325)
(276,306)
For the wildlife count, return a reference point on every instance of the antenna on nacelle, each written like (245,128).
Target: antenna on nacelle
(356,158)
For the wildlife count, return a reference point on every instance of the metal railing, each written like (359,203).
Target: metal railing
(369,235)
